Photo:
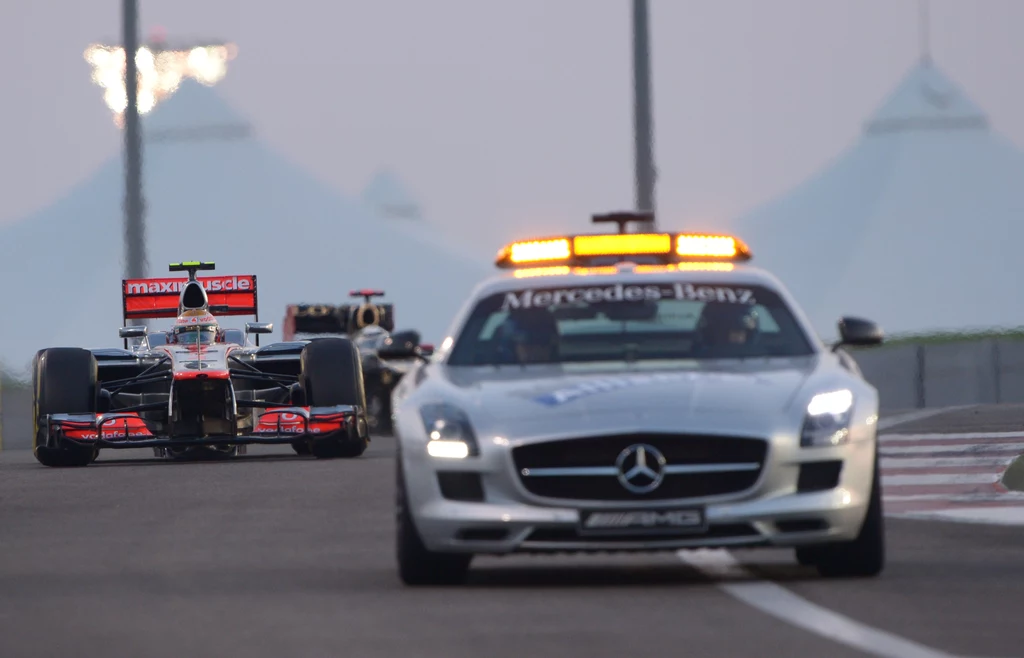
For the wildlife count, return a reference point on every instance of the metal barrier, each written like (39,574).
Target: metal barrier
(987,371)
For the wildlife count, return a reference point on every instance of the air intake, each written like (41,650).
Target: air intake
(193,297)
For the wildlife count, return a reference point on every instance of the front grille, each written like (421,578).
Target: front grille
(464,486)
(819,476)
(585,468)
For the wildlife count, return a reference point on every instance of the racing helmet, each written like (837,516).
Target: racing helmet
(724,323)
(196,328)
(533,329)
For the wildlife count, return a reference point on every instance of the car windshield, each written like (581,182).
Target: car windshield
(616,322)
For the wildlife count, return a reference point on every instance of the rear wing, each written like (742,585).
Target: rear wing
(146,299)
(336,318)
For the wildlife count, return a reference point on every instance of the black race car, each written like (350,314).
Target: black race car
(371,327)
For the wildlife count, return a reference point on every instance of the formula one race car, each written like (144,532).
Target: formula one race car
(197,389)
(385,355)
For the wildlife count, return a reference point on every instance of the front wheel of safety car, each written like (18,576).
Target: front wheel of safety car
(416,564)
(332,374)
(63,382)
(864,557)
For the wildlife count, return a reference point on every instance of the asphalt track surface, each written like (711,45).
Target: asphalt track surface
(279,555)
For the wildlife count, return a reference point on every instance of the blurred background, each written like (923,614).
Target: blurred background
(867,151)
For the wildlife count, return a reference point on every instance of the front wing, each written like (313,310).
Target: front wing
(274,425)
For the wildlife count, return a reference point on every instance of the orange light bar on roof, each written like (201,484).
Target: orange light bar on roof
(586,250)
(538,251)
(622,244)
(710,246)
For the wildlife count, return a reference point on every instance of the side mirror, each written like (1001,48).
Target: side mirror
(408,339)
(398,351)
(859,332)
(259,327)
(133,331)
(404,345)
(426,349)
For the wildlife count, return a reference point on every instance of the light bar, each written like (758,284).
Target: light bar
(626,244)
(584,250)
(536,251)
(707,246)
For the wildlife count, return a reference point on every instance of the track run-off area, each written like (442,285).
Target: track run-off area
(274,554)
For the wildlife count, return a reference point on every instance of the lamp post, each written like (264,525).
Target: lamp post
(643,122)
(134,204)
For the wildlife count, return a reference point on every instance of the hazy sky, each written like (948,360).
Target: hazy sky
(507,115)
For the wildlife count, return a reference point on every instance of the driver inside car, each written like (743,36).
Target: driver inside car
(727,327)
(528,336)
(196,328)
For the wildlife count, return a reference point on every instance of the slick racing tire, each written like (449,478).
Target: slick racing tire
(332,374)
(416,564)
(300,448)
(63,382)
(864,557)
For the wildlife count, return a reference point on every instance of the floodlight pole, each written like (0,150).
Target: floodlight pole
(643,122)
(134,205)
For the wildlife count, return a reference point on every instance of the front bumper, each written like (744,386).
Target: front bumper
(780,510)
(276,425)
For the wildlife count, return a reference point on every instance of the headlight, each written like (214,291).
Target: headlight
(828,419)
(449,434)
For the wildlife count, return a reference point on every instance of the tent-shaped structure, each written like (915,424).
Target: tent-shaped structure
(918,226)
(215,192)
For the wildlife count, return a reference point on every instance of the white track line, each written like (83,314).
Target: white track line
(1007,497)
(939,478)
(783,604)
(943,462)
(964,448)
(952,436)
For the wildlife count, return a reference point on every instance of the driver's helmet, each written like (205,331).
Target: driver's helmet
(723,323)
(529,335)
(196,328)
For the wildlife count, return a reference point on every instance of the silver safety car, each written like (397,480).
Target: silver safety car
(636,392)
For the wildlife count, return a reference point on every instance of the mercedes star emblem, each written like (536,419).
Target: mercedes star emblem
(641,468)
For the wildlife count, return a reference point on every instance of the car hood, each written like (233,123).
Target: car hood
(751,388)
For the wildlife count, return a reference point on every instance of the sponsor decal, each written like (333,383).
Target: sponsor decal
(107,434)
(604,385)
(627,293)
(286,429)
(644,520)
(194,318)
(175,286)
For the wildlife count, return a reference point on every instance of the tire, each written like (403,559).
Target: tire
(808,556)
(300,448)
(864,557)
(64,381)
(417,565)
(332,374)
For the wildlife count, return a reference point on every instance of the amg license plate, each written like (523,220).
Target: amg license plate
(642,522)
